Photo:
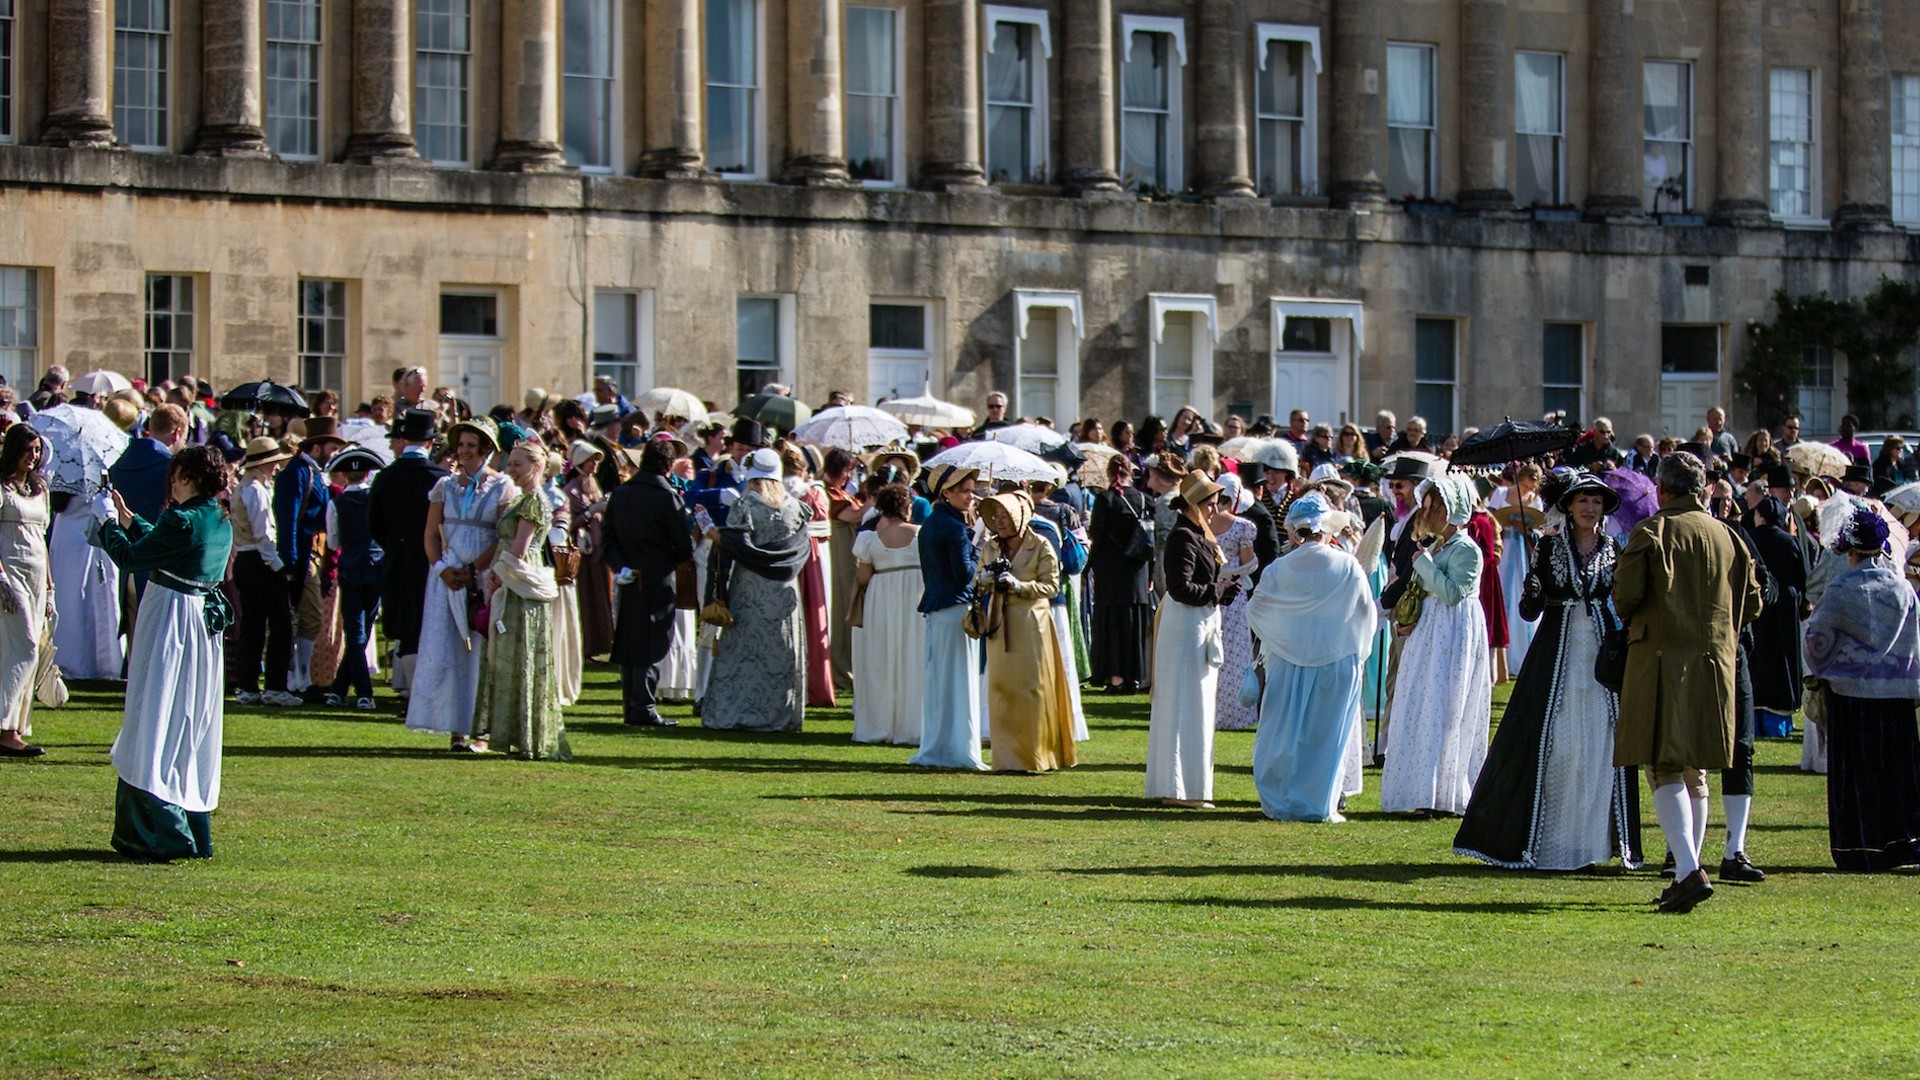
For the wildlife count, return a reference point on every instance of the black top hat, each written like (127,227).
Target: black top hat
(749,432)
(1779,476)
(1409,468)
(415,425)
(355,459)
(1205,438)
(1857,474)
(1700,451)
(1739,461)
(602,415)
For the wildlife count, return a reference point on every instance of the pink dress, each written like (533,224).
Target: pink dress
(813,607)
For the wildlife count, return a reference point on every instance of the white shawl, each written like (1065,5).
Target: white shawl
(1313,607)
(529,581)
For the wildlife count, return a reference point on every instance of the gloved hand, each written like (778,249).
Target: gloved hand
(1004,582)
(624,577)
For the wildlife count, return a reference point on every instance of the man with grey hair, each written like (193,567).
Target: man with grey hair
(1385,427)
(1685,588)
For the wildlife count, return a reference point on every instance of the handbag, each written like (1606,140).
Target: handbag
(1406,610)
(856,605)
(1610,663)
(565,559)
(983,617)
(49,688)
(479,610)
(1140,544)
(1250,687)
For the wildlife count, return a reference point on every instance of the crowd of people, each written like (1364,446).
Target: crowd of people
(1299,580)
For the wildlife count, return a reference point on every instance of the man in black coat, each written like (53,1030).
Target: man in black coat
(1266,531)
(397,517)
(647,535)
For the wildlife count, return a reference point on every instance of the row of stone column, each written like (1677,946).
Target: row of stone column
(79,113)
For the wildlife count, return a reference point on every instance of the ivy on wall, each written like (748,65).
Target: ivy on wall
(1876,333)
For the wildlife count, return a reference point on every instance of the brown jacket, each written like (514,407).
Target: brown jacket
(1685,587)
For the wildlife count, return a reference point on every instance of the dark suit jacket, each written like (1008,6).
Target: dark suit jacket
(1266,538)
(1403,552)
(647,531)
(141,477)
(397,517)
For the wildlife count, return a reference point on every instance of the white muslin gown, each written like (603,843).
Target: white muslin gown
(23,558)
(1187,653)
(86,593)
(890,647)
(446,675)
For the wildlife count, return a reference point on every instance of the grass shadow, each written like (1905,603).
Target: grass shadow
(736,765)
(1355,903)
(351,752)
(957,871)
(65,855)
(1386,873)
(1038,806)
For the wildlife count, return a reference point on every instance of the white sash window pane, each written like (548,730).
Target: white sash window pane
(1905,118)
(1011,104)
(1562,367)
(20,325)
(170,329)
(873,93)
(1040,363)
(587,106)
(616,328)
(1434,374)
(1173,364)
(757,352)
(1790,142)
(1145,111)
(1280,101)
(1538,127)
(323,335)
(141,33)
(1410,113)
(1667,106)
(443,45)
(733,86)
(1814,399)
(293,78)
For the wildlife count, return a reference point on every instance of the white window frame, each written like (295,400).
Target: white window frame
(1685,145)
(315,53)
(897,156)
(785,346)
(1175,29)
(302,355)
(166,73)
(1206,334)
(1038,135)
(1811,362)
(758,92)
(1071,331)
(9,64)
(610,86)
(1265,34)
(1586,351)
(642,329)
(928,326)
(1559,132)
(20,314)
(1349,336)
(1812,218)
(1908,142)
(465,158)
(194,308)
(1453,420)
(499,299)
(1431,127)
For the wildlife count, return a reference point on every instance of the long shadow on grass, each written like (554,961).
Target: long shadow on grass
(65,855)
(743,765)
(1040,806)
(1355,903)
(1389,873)
(355,752)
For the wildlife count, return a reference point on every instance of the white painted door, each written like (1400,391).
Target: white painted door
(896,376)
(473,369)
(1684,402)
(1317,384)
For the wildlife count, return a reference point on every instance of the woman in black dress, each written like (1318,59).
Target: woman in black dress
(1122,609)
(1549,796)
(1775,654)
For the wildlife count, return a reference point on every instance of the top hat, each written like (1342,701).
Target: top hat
(1857,474)
(322,429)
(1779,476)
(602,415)
(415,425)
(1409,467)
(746,431)
(1739,461)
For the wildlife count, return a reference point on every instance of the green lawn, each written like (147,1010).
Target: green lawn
(678,902)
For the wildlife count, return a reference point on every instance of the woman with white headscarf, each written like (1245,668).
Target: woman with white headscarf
(1313,612)
(1443,694)
(1188,652)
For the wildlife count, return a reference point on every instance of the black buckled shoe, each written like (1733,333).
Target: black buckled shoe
(1737,867)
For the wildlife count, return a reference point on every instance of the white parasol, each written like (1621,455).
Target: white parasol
(82,444)
(671,401)
(368,434)
(851,427)
(1818,459)
(1903,500)
(101,383)
(1241,447)
(1033,438)
(929,411)
(997,461)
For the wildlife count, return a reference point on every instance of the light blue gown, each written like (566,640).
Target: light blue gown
(950,713)
(1306,717)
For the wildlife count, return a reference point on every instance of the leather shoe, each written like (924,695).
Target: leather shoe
(25,750)
(1737,867)
(652,718)
(1687,893)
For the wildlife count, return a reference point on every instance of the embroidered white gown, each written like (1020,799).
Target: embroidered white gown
(1443,694)
(86,594)
(446,677)
(890,647)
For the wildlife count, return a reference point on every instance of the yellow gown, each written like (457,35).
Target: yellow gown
(1028,710)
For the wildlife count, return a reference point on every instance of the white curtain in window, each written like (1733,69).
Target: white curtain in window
(1408,86)
(1007,65)
(1536,111)
(1143,89)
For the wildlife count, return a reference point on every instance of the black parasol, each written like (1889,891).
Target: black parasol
(266,396)
(1514,440)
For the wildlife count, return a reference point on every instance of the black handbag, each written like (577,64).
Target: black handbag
(1140,542)
(1610,664)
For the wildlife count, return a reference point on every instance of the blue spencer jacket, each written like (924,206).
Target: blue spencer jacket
(948,560)
(300,497)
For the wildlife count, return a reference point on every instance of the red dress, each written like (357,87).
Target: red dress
(1493,598)
(813,608)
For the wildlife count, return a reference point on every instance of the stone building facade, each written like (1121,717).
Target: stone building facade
(1464,208)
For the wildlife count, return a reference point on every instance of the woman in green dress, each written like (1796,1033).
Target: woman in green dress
(518,709)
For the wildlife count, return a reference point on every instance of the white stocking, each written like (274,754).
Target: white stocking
(1675,811)
(1737,807)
